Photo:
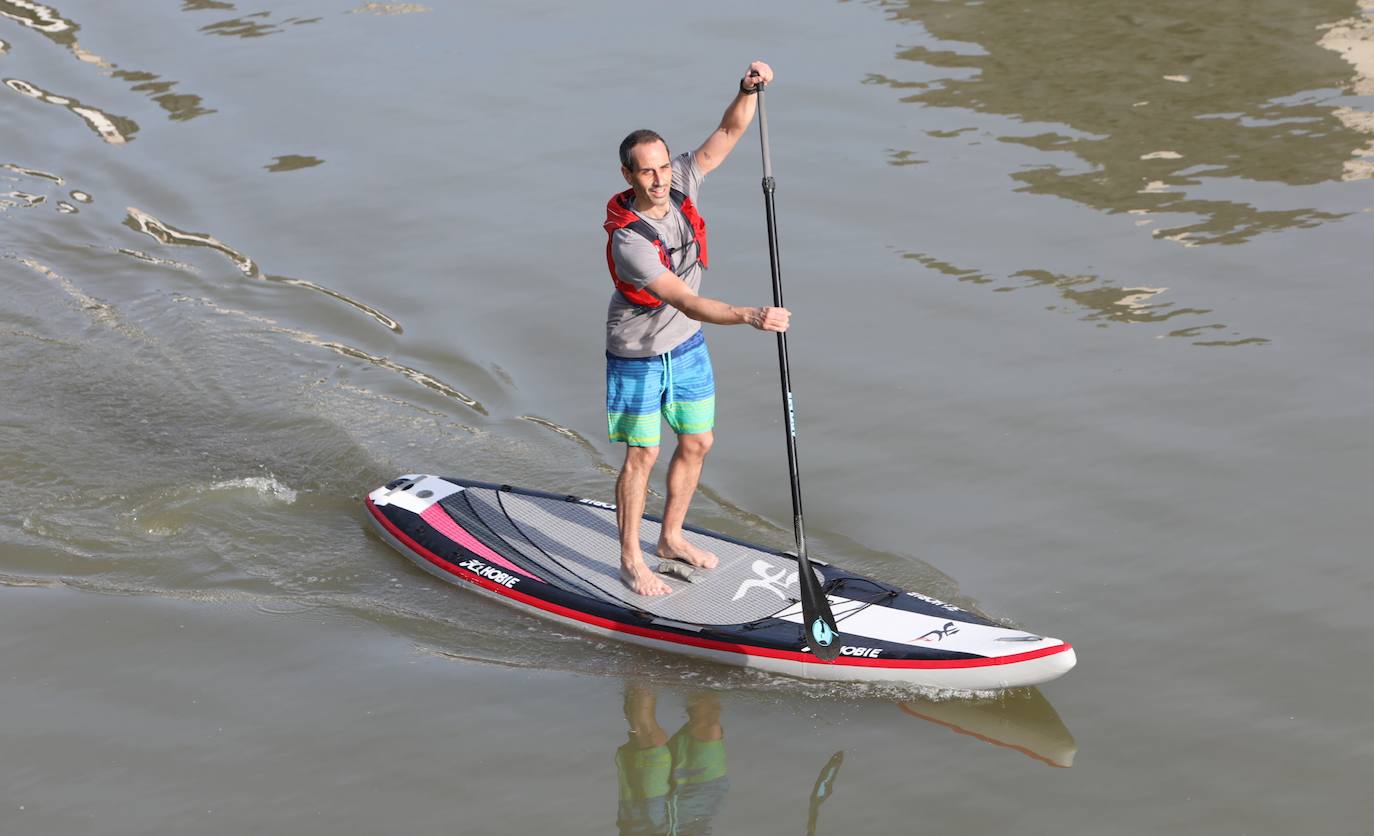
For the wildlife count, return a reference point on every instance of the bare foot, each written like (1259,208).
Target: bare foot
(641,581)
(687,553)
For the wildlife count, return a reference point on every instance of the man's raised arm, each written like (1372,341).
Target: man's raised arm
(736,119)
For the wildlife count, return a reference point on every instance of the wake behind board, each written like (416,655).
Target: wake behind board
(557,557)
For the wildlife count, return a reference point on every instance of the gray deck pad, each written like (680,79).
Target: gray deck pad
(487,505)
(577,546)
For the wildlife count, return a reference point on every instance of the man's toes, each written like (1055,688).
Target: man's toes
(644,583)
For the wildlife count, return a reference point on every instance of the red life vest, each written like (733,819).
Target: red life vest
(619,215)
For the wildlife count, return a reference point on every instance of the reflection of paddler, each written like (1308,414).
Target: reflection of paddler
(671,785)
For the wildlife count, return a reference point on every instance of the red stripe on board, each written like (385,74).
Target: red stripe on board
(709,644)
(439,519)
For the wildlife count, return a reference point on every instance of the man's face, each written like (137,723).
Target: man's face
(650,173)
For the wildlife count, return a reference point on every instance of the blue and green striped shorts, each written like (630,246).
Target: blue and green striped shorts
(678,386)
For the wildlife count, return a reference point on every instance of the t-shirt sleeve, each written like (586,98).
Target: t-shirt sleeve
(636,258)
(687,175)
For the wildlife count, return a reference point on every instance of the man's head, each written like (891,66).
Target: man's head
(646,166)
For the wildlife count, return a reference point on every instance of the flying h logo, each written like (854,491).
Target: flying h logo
(937,635)
(775,582)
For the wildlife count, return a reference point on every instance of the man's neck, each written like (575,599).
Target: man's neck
(646,208)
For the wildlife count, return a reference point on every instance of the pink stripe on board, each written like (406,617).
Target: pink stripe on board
(441,522)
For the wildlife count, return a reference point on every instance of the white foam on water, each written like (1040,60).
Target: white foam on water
(166,514)
(267,487)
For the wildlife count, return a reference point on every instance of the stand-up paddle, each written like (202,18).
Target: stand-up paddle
(822,634)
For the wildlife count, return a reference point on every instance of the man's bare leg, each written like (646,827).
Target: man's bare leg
(640,704)
(684,472)
(630,490)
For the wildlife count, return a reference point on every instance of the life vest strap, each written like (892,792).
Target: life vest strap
(619,215)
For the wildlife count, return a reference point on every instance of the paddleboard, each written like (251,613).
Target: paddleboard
(557,557)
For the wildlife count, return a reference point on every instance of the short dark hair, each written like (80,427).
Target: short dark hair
(639,137)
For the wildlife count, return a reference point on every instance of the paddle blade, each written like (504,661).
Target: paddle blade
(822,633)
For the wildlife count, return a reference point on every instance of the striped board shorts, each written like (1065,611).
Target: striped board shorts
(678,386)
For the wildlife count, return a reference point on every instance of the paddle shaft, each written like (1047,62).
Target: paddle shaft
(814,603)
(789,412)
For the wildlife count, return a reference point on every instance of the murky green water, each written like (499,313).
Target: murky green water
(1080,300)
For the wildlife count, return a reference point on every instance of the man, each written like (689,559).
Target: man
(657,366)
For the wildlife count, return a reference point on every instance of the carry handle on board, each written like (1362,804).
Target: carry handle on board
(822,634)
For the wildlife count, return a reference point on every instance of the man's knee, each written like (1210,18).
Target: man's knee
(640,458)
(696,445)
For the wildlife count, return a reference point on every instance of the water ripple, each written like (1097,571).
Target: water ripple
(62,31)
(141,221)
(100,311)
(423,378)
(115,130)
(1097,299)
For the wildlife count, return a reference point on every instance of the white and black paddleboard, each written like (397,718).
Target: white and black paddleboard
(558,557)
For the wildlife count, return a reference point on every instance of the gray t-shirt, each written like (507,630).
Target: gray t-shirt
(632,331)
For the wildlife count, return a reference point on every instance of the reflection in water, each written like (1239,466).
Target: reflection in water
(161,262)
(1160,102)
(178,106)
(389,8)
(24,200)
(141,221)
(678,783)
(1121,304)
(293,162)
(671,785)
(36,16)
(29,201)
(825,785)
(1021,720)
(115,130)
(166,233)
(1104,302)
(62,31)
(387,321)
(1353,40)
(254,25)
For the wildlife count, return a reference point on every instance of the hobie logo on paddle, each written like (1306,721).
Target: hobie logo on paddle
(821,633)
(775,582)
